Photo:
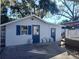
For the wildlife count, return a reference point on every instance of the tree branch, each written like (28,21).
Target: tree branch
(67,13)
(73,11)
(64,16)
(76,12)
(67,6)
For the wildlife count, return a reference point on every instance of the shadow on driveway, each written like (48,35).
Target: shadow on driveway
(35,51)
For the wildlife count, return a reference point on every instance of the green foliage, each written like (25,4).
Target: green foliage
(27,7)
(64,21)
(4,17)
(48,5)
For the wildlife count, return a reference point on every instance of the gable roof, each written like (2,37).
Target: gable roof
(24,18)
(73,23)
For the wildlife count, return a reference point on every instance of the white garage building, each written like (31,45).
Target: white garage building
(30,29)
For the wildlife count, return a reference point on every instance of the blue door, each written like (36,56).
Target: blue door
(36,33)
(53,34)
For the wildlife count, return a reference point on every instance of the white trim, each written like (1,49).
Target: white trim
(25,19)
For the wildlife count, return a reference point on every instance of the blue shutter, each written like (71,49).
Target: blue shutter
(26,30)
(29,30)
(17,29)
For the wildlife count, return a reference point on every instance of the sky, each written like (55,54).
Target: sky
(54,18)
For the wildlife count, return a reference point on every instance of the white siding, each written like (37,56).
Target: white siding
(45,32)
(72,33)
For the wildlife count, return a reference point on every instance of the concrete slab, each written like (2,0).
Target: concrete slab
(37,51)
(63,56)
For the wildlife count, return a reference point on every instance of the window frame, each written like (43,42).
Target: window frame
(23,30)
(20,30)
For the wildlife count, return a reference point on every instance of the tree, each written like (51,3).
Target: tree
(27,7)
(24,8)
(4,17)
(64,21)
(48,5)
(69,10)
(19,8)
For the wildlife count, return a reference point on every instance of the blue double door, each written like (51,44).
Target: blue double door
(36,33)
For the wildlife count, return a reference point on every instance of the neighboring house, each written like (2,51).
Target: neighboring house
(30,29)
(72,29)
(72,35)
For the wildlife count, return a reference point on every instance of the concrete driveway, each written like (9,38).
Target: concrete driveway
(36,51)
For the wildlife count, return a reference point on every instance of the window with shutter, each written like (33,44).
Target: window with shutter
(23,30)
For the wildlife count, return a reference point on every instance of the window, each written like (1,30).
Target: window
(23,30)
(36,30)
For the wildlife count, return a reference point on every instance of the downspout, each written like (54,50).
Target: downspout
(0,36)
